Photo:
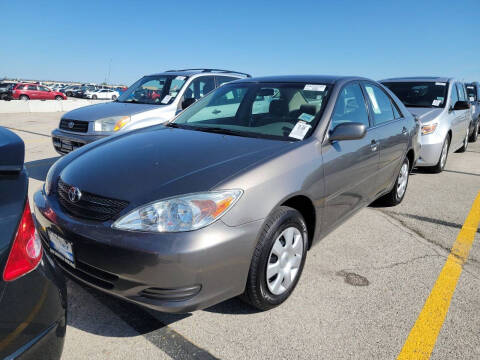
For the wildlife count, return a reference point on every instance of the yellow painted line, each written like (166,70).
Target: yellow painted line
(423,336)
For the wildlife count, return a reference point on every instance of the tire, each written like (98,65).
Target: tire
(24,97)
(114,97)
(94,97)
(442,161)
(58,97)
(261,292)
(474,136)
(68,93)
(464,146)
(396,195)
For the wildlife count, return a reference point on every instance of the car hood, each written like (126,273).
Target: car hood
(426,114)
(100,111)
(158,162)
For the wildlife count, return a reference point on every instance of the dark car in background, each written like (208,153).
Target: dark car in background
(473,93)
(30,91)
(228,197)
(32,289)
(5,91)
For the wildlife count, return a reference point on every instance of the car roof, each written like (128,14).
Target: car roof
(191,72)
(325,79)
(418,78)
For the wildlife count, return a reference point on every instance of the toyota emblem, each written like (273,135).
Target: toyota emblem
(74,194)
(71,124)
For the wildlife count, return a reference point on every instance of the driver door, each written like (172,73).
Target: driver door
(350,166)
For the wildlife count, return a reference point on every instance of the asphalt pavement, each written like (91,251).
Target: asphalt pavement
(361,291)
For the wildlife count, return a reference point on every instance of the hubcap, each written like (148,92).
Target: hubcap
(402,181)
(284,261)
(443,158)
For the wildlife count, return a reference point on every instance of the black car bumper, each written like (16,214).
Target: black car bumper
(64,141)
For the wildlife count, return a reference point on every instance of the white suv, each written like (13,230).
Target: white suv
(154,99)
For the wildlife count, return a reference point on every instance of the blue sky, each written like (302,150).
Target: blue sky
(64,40)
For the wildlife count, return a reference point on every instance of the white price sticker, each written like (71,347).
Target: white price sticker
(314,87)
(300,130)
(472,98)
(440,83)
(180,78)
(436,102)
(166,99)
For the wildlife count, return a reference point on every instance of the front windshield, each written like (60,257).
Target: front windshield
(155,89)
(283,111)
(472,94)
(420,93)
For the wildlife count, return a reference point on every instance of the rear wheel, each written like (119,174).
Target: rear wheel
(396,195)
(474,136)
(278,259)
(465,145)
(94,97)
(24,97)
(114,97)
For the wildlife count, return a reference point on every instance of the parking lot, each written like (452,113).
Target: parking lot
(361,291)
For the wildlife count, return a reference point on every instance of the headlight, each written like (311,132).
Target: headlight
(428,129)
(49,179)
(110,124)
(182,213)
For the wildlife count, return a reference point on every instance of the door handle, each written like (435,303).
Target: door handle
(404,131)
(374,145)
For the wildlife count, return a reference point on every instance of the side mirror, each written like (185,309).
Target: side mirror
(187,102)
(348,131)
(461,105)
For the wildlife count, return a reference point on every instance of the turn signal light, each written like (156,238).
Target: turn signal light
(26,251)
(428,129)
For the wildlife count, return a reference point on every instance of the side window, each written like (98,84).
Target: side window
(43,88)
(32,87)
(224,79)
(453,95)
(461,92)
(396,113)
(200,87)
(381,104)
(350,107)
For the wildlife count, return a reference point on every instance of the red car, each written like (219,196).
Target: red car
(35,92)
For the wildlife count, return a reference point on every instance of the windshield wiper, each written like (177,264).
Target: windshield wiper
(419,106)
(219,130)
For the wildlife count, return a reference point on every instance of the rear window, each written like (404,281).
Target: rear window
(471,93)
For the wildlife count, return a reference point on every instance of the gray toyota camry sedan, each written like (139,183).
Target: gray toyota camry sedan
(228,197)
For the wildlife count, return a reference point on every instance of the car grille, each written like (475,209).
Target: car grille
(74,125)
(90,206)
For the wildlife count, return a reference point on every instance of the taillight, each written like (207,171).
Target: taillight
(26,250)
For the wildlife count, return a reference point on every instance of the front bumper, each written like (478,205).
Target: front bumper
(170,272)
(64,141)
(431,148)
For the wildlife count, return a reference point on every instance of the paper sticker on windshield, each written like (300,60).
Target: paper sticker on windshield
(472,98)
(180,78)
(470,87)
(440,83)
(300,130)
(306,117)
(166,99)
(436,102)
(173,94)
(314,87)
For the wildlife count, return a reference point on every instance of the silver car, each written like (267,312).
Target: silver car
(442,107)
(154,99)
(228,197)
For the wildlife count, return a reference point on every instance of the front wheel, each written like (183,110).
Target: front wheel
(438,168)
(465,145)
(474,136)
(114,97)
(94,97)
(58,97)
(24,97)
(278,259)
